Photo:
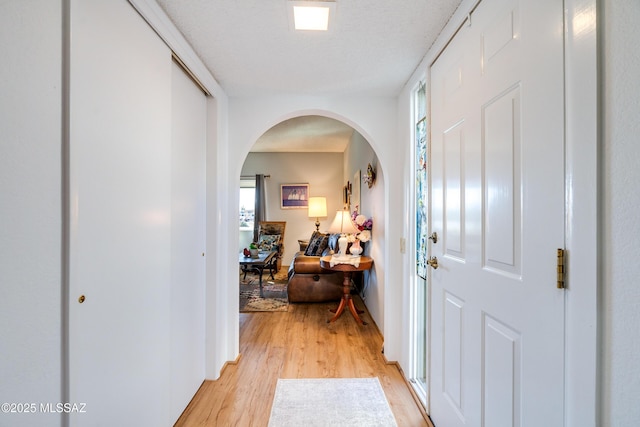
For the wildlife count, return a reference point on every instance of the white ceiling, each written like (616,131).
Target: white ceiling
(372,49)
(306,134)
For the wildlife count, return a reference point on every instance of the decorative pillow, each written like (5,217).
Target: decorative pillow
(268,242)
(317,244)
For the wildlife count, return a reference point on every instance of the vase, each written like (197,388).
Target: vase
(342,245)
(356,249)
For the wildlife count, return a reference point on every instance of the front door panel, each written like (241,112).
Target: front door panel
(497,200)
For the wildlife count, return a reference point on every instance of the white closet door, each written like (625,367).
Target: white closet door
(120,195)
(188,179)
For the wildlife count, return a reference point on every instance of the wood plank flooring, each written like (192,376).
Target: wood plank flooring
(297,344)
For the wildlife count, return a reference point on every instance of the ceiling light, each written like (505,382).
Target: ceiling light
(311,15)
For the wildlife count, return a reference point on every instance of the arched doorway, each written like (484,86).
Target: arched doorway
(331,157)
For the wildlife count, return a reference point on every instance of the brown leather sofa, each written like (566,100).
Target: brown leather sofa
(308,282)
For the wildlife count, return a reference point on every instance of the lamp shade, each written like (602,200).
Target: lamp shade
(317,207)
(342,224)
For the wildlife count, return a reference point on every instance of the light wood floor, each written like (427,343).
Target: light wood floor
(297,344)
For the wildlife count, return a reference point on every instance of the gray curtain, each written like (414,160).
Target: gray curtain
(260,205)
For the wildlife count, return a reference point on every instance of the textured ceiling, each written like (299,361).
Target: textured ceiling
(306,134)
(372,49)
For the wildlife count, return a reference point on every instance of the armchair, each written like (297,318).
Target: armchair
(271,237)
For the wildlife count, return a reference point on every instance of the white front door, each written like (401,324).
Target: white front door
(497,200)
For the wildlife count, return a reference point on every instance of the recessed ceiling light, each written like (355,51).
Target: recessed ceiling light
(311,15)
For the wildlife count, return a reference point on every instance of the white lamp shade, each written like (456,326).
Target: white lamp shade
(317,207)
(342,224)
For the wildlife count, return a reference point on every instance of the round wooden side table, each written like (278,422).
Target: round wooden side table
(346,300)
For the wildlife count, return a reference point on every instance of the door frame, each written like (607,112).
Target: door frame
(582,195)
(582,198)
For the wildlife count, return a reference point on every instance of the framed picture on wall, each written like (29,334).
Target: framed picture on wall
(294,196)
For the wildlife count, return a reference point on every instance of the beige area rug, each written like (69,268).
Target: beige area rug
(331,402)
(274,292)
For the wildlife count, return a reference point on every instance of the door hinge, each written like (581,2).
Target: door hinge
(561,269)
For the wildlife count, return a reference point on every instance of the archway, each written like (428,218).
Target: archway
(248,119)
(328,154)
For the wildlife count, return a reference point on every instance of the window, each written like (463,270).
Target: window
(420,294)
(247,204)
(420,120)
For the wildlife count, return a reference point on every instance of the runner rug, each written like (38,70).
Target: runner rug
(274,293)
(330,402)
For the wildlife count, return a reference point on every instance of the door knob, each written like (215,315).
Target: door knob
(434,237)
(433,262)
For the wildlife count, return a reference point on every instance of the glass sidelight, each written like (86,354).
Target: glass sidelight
(419,378)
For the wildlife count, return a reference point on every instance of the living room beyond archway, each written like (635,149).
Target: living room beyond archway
(329,159)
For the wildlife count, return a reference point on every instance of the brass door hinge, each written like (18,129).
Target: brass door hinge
(561,269)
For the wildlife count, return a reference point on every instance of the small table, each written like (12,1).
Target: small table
(346,300)
(264,260)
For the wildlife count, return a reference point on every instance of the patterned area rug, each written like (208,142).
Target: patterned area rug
(274,292)
(330,402)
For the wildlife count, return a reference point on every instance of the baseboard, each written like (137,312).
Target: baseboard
(411,390)
(230,362)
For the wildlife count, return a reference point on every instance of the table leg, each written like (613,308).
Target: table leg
(272,265)
(346,300)
(259,271)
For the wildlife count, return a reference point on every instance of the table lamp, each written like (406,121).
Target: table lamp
(342,224)
(317,209)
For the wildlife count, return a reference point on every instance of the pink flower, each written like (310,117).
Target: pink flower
(361,221)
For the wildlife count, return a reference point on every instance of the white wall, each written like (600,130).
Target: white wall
(323,173)
(358,156)
(30,208)
(620,290)
(405,124)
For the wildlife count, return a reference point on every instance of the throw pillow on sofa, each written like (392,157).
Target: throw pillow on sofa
(317,244)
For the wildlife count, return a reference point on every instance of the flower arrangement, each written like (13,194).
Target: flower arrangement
(363,224)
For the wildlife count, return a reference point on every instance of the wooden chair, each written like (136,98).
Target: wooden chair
(271,236)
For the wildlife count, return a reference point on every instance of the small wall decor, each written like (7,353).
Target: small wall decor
(370,177)
(294,196)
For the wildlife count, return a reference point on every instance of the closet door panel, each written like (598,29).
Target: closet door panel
(188,179)
(120,217)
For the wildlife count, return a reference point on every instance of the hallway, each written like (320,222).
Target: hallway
(297,344)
